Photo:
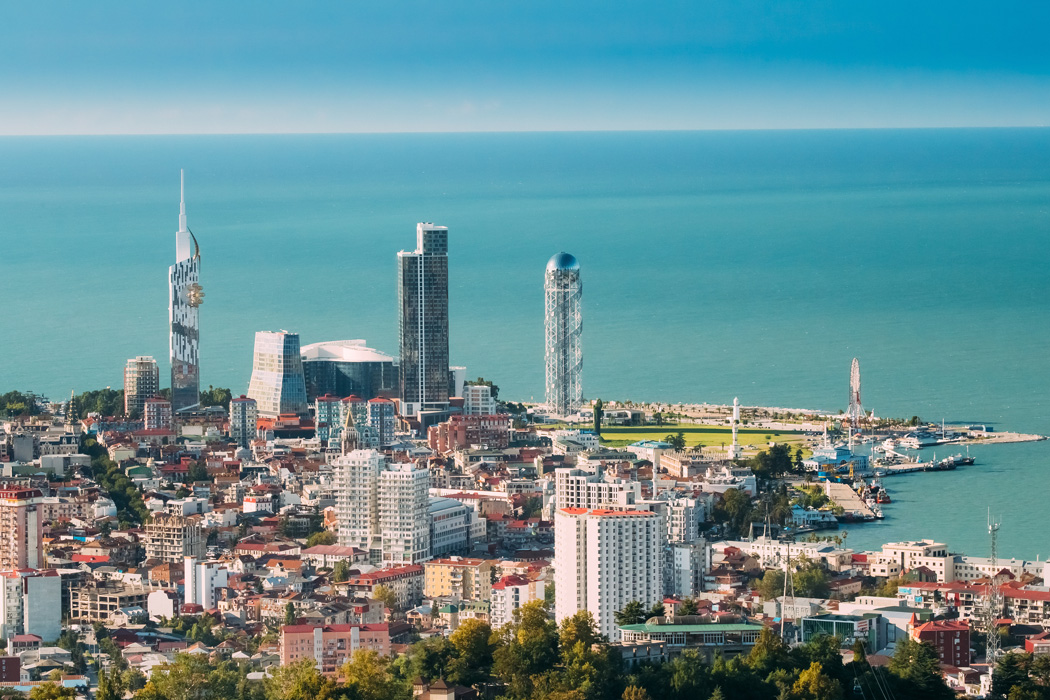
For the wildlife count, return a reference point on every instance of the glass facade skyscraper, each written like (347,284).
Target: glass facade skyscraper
(277,383)
(422,285)
(184,296)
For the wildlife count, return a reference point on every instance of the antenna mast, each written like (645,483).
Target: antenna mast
(993,599)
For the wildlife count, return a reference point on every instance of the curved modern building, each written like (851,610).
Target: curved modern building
(345,367)
(277,383)
(563,356)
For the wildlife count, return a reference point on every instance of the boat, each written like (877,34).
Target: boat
(883,497)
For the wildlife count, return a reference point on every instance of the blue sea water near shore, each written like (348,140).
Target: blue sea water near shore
(715,264)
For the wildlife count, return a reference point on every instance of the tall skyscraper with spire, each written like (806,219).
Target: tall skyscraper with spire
(422,286)
(184,298)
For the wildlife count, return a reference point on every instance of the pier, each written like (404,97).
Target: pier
(852,504)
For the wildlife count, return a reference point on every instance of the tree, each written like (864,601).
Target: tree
(814,684)
(289,613)
(473,660)
(51,691)
(368,674)
(213,396)
(190,677)
(579,627)
(598,417)
(915,672)
(769,653)
(634,692)
(527,647)
(341,571)
(688,607)
(657,610)
(197,472)
(386,596)
(431,658)
(321,538)
(297,681)
(677,441)
(630,614)
(105,529)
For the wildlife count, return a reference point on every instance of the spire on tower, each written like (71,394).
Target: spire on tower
(182,201)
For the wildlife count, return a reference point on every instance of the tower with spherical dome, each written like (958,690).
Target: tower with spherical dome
(563,291)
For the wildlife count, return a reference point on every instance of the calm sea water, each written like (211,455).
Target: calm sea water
(750,264)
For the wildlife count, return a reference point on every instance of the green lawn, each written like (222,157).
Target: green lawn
(706,435)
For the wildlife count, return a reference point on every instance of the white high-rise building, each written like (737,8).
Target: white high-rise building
(201,580)
(578,488)
(403,514)
(141,382)
(184,297)
(244,421)
(278,384)
(604,559)
(478,400)
(357,499)
(382,508)
(563,356)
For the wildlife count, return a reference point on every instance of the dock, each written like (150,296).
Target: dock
(843,495)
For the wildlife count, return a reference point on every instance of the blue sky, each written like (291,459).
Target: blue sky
(250,67)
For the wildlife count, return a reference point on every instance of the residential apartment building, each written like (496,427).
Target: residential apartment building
(21,529)
(157,414)
(403,503)
(382,419)
(405,581)
(898,557)
(604,559)
(466,579)
(453,525)
(31,603)
(950,638)
(382,508)
(141,382)
(244,420)
(172,538)
(578,488)
(331,646)
(490,431)
(509,594)
(683,465)
(478,400)
(200,581)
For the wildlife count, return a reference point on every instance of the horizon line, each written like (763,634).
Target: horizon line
(525,131)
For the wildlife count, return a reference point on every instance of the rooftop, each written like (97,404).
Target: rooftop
(343,351)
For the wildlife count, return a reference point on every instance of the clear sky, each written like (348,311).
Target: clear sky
(222,66)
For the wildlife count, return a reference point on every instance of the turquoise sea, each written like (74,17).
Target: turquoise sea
(715,264)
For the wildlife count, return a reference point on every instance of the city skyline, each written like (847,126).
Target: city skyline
(240,68)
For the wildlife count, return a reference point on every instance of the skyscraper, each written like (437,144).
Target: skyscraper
(563,353)
(604,559)
(184,296)
(141,382)
(277,383)
(422,290)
